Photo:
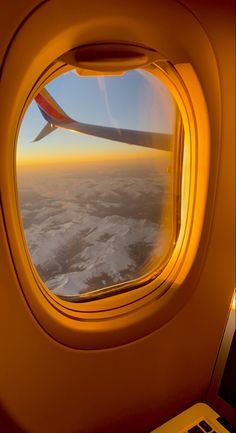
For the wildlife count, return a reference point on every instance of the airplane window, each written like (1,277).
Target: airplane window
(96,174)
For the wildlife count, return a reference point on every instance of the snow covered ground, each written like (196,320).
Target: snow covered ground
(94,225)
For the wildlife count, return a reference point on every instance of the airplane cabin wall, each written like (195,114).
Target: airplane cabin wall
(46,387)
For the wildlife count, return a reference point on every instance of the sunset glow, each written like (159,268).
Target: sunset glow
(136,100)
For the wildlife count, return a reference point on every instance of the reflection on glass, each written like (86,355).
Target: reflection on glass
(97,211)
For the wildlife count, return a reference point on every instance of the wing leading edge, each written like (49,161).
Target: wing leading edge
(57,118)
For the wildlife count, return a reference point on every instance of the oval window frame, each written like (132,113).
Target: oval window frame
(125,317)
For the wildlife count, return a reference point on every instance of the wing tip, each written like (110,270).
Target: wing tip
(47,129)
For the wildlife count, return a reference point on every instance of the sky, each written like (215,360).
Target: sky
(136,100)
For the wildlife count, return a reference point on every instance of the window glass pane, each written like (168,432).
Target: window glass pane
(96,184)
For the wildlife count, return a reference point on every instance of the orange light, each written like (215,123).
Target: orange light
(233,305)
(89,73)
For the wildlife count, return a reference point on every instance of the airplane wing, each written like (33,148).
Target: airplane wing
(57,118)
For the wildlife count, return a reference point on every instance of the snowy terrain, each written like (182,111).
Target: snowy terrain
(94,225)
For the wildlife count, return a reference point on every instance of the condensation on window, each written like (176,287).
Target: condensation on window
(95,173)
